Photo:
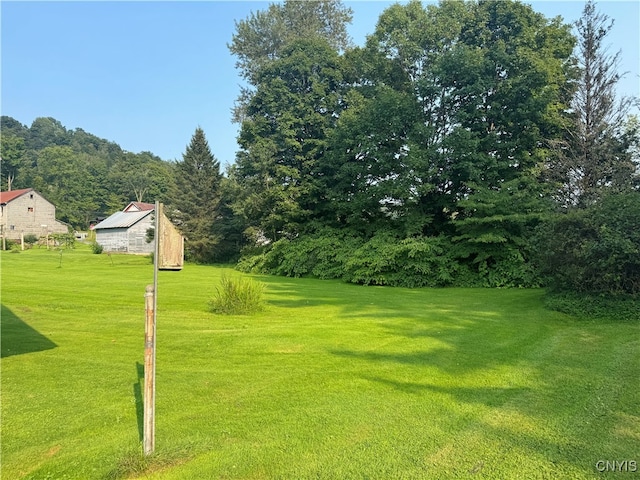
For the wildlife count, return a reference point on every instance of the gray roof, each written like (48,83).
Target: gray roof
(122,219)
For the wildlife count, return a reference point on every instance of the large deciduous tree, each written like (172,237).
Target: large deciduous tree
(12,158)
(457,103)
(283,137)
(141,177)
(67,179)
(265,35)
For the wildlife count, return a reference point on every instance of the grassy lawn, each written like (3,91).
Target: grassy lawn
(330,381)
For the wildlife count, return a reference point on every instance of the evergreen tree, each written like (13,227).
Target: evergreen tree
(596,152)
(197,201)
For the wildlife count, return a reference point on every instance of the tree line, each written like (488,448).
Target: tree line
(456,147)
(86,177)
(466,143)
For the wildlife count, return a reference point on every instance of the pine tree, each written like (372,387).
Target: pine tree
(197,201)
(597,153)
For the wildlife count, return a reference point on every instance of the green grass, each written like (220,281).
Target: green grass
(329,381)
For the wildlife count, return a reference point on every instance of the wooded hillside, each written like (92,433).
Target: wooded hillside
(86,177)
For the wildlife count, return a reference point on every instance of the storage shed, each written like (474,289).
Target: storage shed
(126,231)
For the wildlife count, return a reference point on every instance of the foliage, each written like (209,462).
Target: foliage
(429,156)
(265,36)
(494,227)
(141,177)
(594,250)
(596,154)
(237,296)
(432,134)
(382,260)
(96,248)
(321,255)
(283,138)
(84,176)
(10,244)
(196,208)
(66,240)
(412,262)
(12,157)
(621,307)
(30,238)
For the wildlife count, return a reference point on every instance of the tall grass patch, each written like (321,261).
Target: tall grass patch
(237,296)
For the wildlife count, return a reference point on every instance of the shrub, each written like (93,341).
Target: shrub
(412,262)
(381,260)
(595,307)
(237,296)
(30,239)
(594,250)
(10,244)
(252,262)
(96,248)
(322,255)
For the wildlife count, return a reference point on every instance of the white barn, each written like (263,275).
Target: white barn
(126,231)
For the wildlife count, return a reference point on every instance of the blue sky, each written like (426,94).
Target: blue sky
(146,74)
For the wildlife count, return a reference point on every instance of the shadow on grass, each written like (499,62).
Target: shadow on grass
(18,338)
(139,401)
(489,396)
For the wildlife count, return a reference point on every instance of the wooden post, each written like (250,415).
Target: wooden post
(149,371)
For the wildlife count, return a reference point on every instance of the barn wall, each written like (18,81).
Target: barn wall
(137,236)
(127,240)
(27,214)
(113,239)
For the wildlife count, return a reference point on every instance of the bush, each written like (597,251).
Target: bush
(96,248)
(321,255)
(237,296)
(30,239)
(594,250)
(595,307)
(381,260)
(412,262)
(10,244)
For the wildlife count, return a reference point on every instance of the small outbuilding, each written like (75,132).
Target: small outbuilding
(126,231)
(26,212)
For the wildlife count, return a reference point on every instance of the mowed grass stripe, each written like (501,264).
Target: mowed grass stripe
(330,381)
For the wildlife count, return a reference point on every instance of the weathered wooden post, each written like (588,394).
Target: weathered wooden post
(149,371)
(151,296)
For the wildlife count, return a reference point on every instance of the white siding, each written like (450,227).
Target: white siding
(127,240)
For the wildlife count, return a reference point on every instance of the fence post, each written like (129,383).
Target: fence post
(149,371)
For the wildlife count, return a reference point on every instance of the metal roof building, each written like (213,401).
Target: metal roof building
(126,231)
